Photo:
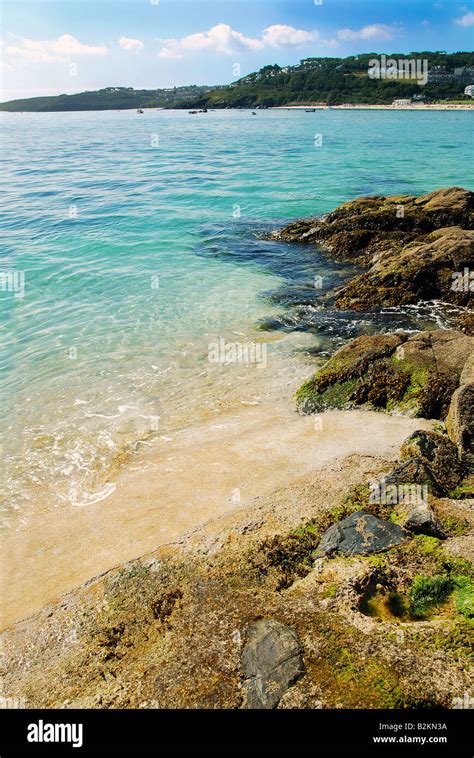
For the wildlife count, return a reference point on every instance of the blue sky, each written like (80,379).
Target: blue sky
(54,46)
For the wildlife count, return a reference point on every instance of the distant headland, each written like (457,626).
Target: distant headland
(418,78)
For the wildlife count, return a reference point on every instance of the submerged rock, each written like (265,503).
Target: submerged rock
(414,248)
(414,375)
(271,662)
(360,534)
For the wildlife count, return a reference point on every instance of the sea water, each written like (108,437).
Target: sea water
(134,244)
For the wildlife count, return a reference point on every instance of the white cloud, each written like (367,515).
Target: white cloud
(168,54)
(223,39)
(372,31)
(220,39)
(467,20)
(281,35)
(60,49)
(128,43)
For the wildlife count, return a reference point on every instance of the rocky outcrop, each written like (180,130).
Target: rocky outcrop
(271,663)
(437,453)
(360,534)
(413,248)
(415,375)
(430,269)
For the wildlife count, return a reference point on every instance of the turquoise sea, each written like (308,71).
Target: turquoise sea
(133,242)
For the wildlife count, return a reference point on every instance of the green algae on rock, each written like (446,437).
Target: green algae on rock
(415,375)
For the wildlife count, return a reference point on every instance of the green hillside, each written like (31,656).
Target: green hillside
(111,98)
(342,80)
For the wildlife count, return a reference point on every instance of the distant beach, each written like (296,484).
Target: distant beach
(350,107)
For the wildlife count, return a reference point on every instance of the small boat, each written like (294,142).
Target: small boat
(193,113)
(139,110)
(204,110)
(253,113)
(310,110)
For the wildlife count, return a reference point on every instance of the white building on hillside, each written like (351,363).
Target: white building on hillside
(469,90)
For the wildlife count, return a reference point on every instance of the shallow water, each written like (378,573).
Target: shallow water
(138,239)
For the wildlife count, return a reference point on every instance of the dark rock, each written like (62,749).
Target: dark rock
(271,662)
(360,534)
(419,518)
(415,471)
(438,453)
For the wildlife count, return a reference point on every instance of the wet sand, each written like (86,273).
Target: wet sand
(188,479)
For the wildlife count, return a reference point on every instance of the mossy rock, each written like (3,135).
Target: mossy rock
(464,596)
(310,399)
(411,375)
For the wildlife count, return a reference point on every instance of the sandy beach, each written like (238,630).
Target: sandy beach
(196,476)
(350,107)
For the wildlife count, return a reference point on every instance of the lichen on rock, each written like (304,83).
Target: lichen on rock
(271,663)
(360,534)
